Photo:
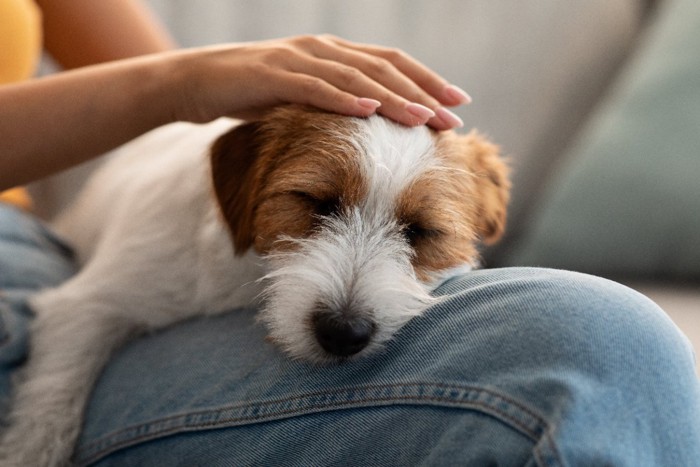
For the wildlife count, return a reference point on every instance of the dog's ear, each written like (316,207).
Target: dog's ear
(233,165)
(490,184)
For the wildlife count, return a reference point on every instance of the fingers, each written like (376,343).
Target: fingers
(319,92)
(351,80)
(410,93)
(418,73)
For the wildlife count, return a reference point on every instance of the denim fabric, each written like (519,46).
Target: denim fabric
(515,367)
(31,257)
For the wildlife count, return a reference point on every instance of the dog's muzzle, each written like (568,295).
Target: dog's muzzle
(342,334)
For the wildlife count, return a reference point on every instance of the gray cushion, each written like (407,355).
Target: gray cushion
(627,203)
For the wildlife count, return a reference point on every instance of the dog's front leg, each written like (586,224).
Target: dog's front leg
(69,346)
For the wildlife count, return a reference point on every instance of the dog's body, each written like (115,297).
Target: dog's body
(348,222)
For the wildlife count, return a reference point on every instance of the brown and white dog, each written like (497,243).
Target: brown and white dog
(340,225)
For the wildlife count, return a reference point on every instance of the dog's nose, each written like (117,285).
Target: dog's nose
(342,336)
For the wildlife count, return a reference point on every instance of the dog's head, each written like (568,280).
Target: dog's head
(357,218)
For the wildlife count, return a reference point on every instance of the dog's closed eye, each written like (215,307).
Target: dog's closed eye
(415,233)
(320,206)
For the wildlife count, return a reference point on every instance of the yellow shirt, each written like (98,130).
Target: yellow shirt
(20,50)
(20,39)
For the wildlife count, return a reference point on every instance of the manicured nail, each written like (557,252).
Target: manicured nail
(420,111)
(457,94)
(450,119)
(368,103)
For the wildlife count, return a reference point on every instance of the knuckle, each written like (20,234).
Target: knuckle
(350,76)
(328,37)
(259,68)
(305,40)
(277,54)
(311,85)
(381,66)
(393,54)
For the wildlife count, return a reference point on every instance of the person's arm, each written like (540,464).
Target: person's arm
(61,120)
(53,123)
(78,33)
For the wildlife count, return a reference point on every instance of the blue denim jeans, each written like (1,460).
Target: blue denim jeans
(516,367)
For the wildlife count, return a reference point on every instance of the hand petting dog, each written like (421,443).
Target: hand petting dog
(104,106)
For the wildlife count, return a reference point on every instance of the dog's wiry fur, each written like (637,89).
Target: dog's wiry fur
(341,225)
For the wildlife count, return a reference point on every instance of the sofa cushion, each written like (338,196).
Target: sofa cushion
(627,201)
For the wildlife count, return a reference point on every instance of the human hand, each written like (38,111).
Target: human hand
(245,80)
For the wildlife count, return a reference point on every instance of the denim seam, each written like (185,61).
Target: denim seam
(545,453)
(499,406)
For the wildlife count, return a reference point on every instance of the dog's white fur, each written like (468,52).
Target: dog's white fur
(155,250)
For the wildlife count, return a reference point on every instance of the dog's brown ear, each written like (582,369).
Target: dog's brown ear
(492,186)
(491,183)
(233,160)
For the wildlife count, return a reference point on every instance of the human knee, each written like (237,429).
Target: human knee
(624,328)
(575,318)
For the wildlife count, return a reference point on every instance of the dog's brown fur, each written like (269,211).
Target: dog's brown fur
(272,179)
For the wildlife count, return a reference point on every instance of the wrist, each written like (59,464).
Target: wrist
(179,75)
(161,88)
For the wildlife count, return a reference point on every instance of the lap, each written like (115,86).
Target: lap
(553,365)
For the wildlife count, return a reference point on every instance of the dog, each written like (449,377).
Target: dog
(339,226)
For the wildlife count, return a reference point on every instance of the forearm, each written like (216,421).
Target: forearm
(52,123)
(86,32)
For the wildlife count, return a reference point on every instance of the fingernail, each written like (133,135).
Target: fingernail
(368,103)
(420,111)
(449,118)
(458,94)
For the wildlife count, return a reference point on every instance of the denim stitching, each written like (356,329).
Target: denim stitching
(498,405)
(311,395)
(549,458)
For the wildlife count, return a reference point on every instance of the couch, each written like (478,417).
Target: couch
(597,104)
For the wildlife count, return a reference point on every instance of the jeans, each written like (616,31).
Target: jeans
(518,366)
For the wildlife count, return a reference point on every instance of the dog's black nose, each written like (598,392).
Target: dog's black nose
(342,336)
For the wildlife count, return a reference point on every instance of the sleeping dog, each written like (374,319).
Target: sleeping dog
(338,226)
